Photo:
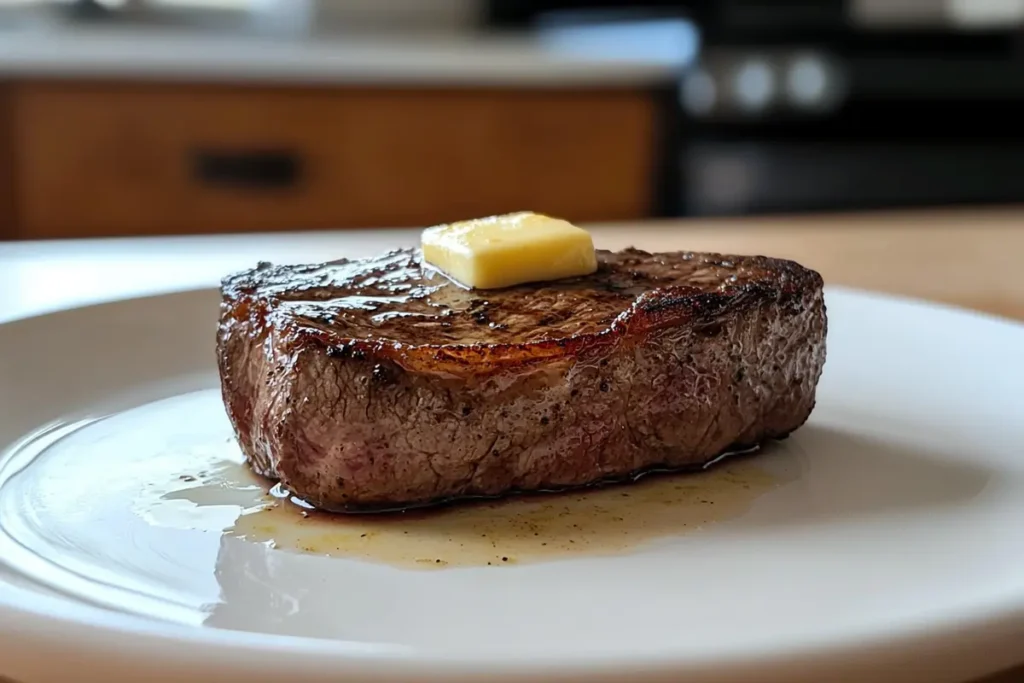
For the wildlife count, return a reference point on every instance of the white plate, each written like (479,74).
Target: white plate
(884,539)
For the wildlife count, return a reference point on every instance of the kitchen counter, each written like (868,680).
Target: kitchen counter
(962,258)
(466,60)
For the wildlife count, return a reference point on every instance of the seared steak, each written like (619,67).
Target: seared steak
(379,384)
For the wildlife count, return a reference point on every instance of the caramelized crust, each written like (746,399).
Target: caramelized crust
(394,307)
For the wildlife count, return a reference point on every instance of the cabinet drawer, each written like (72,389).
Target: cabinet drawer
(104,159)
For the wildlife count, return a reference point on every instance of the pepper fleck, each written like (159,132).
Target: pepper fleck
(339,352)
(382,375)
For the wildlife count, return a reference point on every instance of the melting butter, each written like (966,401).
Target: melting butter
(507,250)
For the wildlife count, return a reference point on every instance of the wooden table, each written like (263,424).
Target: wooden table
(972,259)
(969,258)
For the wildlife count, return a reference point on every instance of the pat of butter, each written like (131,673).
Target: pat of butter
(513,249)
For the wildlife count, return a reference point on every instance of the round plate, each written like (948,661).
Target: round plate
(882,539)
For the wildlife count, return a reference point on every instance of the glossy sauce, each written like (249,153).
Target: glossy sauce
(517,530)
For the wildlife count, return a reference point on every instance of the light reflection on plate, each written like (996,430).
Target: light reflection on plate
(889,531)
(139,471)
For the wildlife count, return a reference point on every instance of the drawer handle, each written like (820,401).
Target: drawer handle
(257,169)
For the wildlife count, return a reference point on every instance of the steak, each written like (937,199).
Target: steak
(380,384)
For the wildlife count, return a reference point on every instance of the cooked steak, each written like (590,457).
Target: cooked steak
(379,384)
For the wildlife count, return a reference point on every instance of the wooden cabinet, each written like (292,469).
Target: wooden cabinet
(8,218)
(94,159)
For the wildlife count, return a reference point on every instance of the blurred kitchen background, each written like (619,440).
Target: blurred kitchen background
(156,117)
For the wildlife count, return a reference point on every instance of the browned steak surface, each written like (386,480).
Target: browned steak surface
(378,383)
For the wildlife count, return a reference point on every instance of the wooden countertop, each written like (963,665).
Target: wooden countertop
(969,258)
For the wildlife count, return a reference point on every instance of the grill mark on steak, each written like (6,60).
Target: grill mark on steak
(408,303)
(374,384)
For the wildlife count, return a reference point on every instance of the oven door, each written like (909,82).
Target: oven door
(737,177)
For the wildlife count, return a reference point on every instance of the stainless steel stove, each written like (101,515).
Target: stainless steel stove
(799,105)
